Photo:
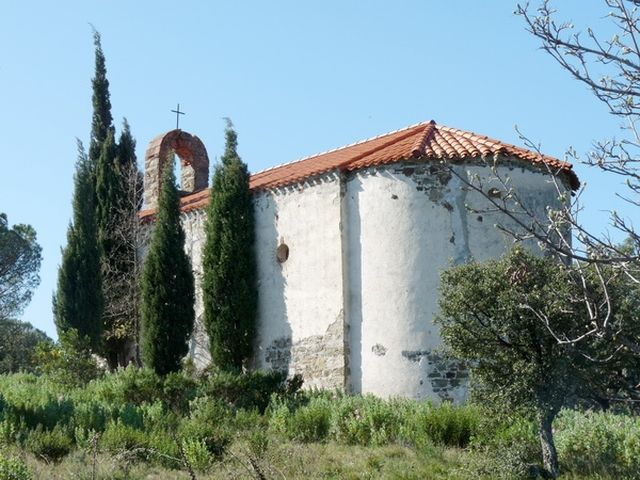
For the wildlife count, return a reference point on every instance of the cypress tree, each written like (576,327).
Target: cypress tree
(126,149)
(167,286)
(102,120)
(108,194)
(229,284)
(77,302)
(115,165)
(113,237)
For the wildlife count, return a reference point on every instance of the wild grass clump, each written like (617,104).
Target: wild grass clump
(180,421)
(311,422)
(445,424)
(371,421)
(503,448)
(599,443)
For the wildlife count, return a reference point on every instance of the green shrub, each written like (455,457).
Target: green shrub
(70,362)
(365,420)
(49,414)
(209,422)
(51,445)
(310,423)
(251,390)
(7,432)
(197,455)
(130,415)
(156,416)
(119,437)
(163,448)
(178,390)
(598,443)
(127,385)
(278,414)
(249,420)
(449,425)
(12,468)
(90,416)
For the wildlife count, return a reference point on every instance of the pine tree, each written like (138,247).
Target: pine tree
(77,303)
(167,286)
(229,285)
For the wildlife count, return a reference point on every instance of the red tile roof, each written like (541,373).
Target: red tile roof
(426,140)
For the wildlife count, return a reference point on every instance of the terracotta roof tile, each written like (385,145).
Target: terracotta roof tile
(425,140)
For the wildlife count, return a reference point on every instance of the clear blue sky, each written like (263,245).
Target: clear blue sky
(295,77)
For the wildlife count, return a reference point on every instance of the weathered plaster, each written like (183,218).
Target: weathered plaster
(301,300)
(407,223)
(353,304)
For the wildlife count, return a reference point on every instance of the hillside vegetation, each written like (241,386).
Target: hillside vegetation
(133,424)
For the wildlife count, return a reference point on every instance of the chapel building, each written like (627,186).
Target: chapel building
(350,245)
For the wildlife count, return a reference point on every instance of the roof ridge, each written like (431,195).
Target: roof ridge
(333,150)
(391,141)
(418,146)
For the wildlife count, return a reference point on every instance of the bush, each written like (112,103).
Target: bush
(12,468)
(51,445)
(70,363)
(32,413)
(119,437)
(310,423)
(197,454)
(163,448)
(90,416)
(251,390)
(178,390)
(505,449)
(598,443)
(452,426)
(365,420)
(208,422)
(127,385)
(156,416)
(249,420)
(129,415)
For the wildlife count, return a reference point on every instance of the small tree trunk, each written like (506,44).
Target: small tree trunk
(549,453)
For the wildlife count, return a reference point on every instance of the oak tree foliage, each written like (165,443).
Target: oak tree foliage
(500,316)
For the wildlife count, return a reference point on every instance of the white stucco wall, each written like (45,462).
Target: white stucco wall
(405,224)
(301,300)
(353,305)
(193,225)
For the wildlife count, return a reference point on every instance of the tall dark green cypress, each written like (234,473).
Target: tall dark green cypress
(108,193)
(77,302)
(115,167)
(126,149)
(102,120)
(229,284)
(167,286)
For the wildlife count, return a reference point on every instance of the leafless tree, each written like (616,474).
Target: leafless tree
(121,276)
(610,68)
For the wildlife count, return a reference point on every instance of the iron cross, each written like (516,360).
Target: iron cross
(178,113)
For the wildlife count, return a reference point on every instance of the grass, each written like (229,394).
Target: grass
(286,459)
(141,426)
